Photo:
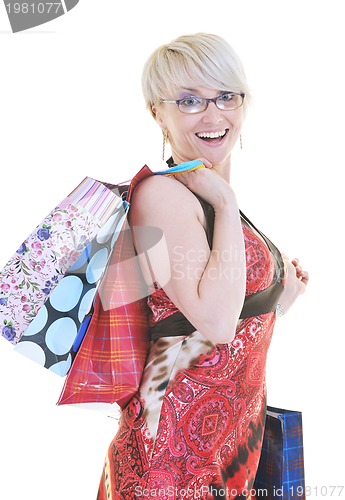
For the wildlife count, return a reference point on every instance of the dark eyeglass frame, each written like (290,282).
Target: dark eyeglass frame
(206,102)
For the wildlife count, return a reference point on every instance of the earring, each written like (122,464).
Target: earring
(165,136)
(241,144)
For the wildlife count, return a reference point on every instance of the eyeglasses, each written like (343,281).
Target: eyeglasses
(226,101)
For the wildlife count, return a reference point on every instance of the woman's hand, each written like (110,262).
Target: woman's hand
(296,280)
(208,184)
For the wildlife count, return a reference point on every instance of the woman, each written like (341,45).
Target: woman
(194,429)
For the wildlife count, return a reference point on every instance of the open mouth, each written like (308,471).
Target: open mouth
(214,137)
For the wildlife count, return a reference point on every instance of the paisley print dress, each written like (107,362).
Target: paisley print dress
(194,430)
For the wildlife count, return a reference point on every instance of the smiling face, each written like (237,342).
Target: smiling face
(210,134)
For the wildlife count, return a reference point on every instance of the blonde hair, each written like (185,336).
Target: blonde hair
(190,61)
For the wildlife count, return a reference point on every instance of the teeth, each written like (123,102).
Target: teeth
(211,135)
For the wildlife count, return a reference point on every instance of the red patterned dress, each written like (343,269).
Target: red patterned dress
(194,430)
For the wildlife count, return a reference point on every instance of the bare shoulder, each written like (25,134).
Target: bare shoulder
(159,197)
(161,186)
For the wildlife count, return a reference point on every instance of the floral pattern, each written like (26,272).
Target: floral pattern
(40,262)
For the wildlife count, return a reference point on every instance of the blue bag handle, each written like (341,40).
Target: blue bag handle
(188,166)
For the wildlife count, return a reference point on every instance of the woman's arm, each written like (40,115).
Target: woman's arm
(207,286)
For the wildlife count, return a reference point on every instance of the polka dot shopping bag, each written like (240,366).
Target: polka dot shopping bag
(47,287)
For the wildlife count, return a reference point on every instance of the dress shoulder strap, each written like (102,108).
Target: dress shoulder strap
(209,214)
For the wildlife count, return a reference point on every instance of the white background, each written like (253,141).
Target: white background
(71,106)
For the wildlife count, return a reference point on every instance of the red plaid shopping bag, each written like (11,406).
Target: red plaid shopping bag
(109,363)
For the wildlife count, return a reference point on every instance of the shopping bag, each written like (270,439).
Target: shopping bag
(281,467)
(49,299)
(109,363)
(48,284)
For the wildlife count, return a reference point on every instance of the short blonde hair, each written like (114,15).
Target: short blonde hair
(202,59)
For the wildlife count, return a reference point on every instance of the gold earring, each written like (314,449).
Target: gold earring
(165,136)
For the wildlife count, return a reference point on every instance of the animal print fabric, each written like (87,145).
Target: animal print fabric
(195,428)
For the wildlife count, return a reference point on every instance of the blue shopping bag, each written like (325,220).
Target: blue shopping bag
(281,468)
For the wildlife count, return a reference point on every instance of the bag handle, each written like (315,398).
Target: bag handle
(187,166)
